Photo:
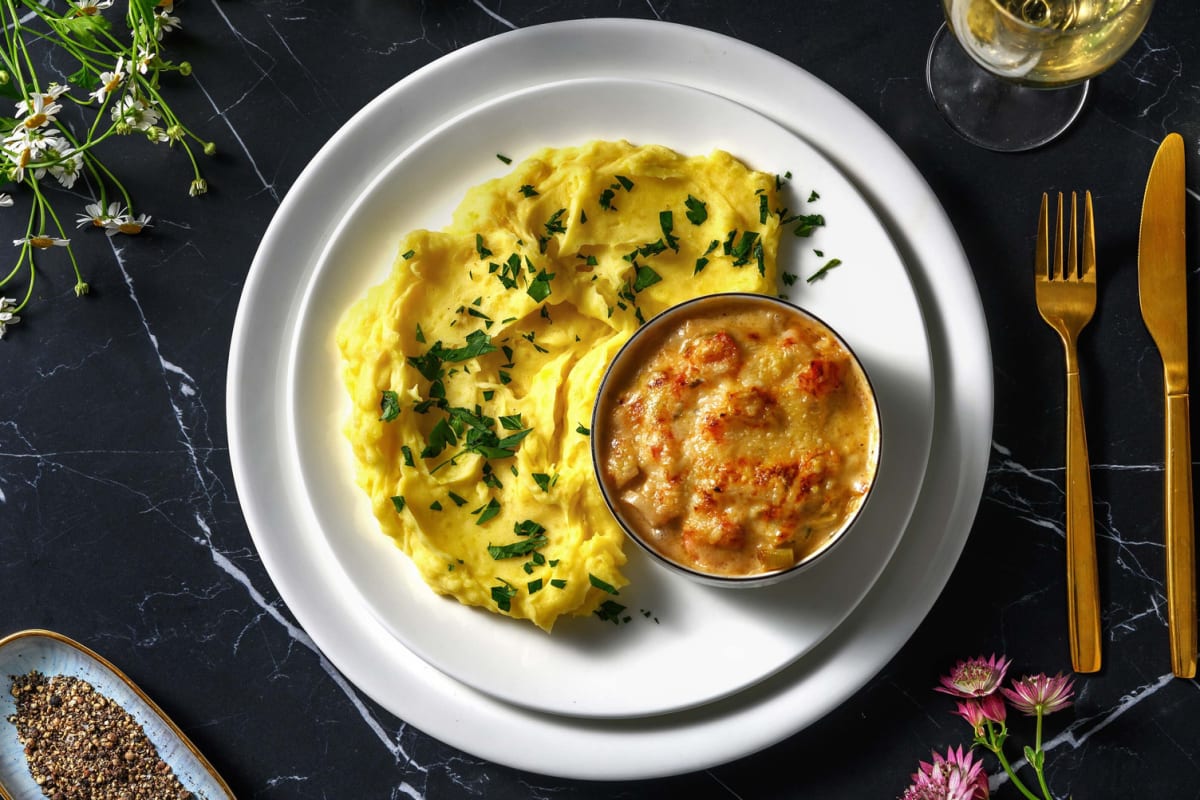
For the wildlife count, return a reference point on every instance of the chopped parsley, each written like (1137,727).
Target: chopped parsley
(645,278)
(517,549)
(558,583)
(545,481)
(528,190)
(487,512)
(480,248)
(609,611)
(534,586)
(504,158)
(504,594)
(389,406)
(601,584)
(697,210)
(539,287)
(580,429)
(823,271)
(398,501)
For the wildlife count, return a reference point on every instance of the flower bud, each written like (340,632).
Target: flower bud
(4,77)
(185,68)
(198,187)
(81,289)
(123,128)
(210,149)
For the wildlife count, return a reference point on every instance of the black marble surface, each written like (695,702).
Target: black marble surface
(119,519)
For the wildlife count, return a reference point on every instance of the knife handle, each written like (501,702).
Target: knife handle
(1083,584)
(1180,538)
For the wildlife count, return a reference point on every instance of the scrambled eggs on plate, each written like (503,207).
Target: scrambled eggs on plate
(473,367)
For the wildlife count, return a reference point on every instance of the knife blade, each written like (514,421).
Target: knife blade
(1162,293)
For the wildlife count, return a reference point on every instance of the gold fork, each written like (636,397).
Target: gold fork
(1066,299)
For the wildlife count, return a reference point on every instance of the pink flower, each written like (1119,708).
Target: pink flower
(972,712)
(956,777)
(993,708)
(1036,694)
(975,677)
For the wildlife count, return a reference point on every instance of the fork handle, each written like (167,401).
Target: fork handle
(1180,542)
(1083,584)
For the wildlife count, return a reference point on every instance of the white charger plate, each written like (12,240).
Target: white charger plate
(739,637)
(327,604)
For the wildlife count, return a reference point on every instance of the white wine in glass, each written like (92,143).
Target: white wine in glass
(1031,50)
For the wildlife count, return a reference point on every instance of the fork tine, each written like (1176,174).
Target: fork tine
(1057,272)
(1041,259)
(1089,240)
(1073,252)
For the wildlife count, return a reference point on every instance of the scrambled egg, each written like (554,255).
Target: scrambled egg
(473,367)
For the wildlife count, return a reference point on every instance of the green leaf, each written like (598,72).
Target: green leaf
(819,274)
(528,528)
(441,437)
(516,549)
(389,406)
(504,594)
(610,611)
(478,344)
(539,288)
(487,512)
(697,211)
(602,585)
(645,278)
(398,502)
(534,586)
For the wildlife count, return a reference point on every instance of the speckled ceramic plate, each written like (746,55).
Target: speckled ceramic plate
(54,654)
(330,607)
(697,643)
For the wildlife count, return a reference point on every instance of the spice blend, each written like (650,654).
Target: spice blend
(82,745)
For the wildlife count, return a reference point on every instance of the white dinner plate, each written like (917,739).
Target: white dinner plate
(330,607)
(740,637)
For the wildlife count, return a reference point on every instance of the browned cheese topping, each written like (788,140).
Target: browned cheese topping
(81,745)
(743,440)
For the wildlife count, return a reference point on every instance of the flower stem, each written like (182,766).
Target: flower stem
(1037,750)
(998,750)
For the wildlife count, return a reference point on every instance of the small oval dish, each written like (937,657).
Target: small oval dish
(53,654)
(736,438)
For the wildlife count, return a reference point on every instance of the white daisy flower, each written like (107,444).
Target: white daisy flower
(127,224)
(88,8)
(42,241)
(110,81)
(38,111)
(68,168)
(145,59)
(165,21)
(135,113)
(94,214)
(7,317)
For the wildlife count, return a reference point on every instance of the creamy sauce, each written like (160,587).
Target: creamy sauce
(740,440)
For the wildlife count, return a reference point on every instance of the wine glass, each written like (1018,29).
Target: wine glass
(1011,75)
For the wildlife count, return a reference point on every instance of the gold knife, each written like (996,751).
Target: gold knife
(1163,294)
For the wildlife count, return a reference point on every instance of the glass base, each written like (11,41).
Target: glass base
(992,112)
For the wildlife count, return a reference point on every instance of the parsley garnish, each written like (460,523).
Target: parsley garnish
(504,158)
(516,549)
(814,196)
(554,224)
(697,210)
(580,429)
(406,451)
(459,500)
(528,528)
(487,512)
(626,184)
(833,262)
(479,248)
(602,585)
(504,594)
(539,288)
(666,221)
(398,502)
(807,223)
(645,278)
(534,586)
(528,190)
(558,583)
(609,611)
(389,406)
(545,481)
